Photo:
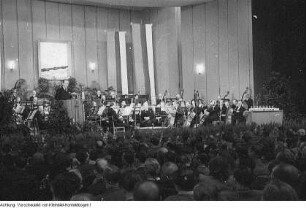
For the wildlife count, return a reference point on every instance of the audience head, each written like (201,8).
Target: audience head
(82,157)
(152,166)
(185,180)
(130,179)
(219,168)
(112,174)
(65,185)
(169,169)
(128,157)
(244,177)
(101,164)
(286,173)
(279,191)
(285,156)
(146,191)
(204,192)
(84,197)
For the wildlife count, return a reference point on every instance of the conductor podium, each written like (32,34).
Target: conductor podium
(75,110)
(264,117)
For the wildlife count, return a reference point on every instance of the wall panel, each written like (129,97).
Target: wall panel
(113,20)
(102,46)
(52,21)
(199,49)
(226,42)
(250,42)
(212,64)
(223,48)
(25,41)
(2,86)
(125,25)
(173,63)
(91,45)
(65,22)
(79,48)
(187,53)
(10,32)
(39,31)
(243,46)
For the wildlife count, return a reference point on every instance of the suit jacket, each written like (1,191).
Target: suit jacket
(62,94)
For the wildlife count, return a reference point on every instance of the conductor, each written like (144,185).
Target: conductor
(62,92)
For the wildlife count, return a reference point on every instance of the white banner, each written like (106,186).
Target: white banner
(123,63)
(149,41)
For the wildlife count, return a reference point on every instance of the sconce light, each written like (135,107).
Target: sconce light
(11,65)
(92,66)
(200,69)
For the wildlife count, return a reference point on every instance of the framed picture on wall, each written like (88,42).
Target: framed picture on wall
(54,59)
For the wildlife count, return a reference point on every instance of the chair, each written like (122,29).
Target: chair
(31,122)
(117,129)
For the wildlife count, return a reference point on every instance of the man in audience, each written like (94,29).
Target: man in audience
(146,191)
(203,192)
(166,184)
(242,192)
(184,181)
(64,186)
(113,192)
(128,182)
(279,191)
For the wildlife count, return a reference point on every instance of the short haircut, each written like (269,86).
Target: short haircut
(286,173)
(185,179)
(130,179)
(129,157)
(219,168)
(204,192)
(82,156)
(152,166)
(146,191)
(279,191)
(169,168)
(244,177)
(65,185)
(112,174)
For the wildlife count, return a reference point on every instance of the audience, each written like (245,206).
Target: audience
(255,164)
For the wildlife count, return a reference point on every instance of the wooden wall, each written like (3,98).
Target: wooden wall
(219,35)
(165,23)
(25,22)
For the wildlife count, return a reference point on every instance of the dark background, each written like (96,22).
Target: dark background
(279,42)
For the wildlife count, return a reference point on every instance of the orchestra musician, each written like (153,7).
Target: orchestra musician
(180,112)
(229,112)
(238,113)
(249,101)
(214,112)
(147,115)
(223,111)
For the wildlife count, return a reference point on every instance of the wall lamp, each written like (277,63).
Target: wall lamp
(92,66)
(200,69)
(11,65)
